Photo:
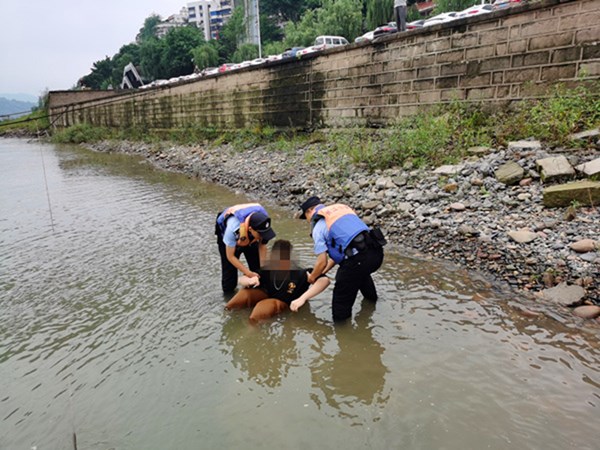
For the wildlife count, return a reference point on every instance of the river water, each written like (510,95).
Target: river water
(113,334)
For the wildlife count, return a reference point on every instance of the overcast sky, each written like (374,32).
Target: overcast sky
(50,44)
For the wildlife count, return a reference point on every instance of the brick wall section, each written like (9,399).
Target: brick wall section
(503,56)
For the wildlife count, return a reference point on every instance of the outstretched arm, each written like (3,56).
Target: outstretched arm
(319,269)
(230,252)
(314,289)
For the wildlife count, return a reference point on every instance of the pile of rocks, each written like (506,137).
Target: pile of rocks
(505,211)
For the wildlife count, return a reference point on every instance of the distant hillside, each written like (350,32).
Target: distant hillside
(14,106)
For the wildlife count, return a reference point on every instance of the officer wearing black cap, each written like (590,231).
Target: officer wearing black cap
(242,229)
(339,233)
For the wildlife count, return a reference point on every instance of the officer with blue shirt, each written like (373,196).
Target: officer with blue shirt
(242,229)
(341,237)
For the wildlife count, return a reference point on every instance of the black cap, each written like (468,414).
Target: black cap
(309,203)
(261,223)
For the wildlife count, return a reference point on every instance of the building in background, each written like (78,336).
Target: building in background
(209,15)
(173,21)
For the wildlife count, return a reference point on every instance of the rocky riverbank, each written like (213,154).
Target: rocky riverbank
(486,214)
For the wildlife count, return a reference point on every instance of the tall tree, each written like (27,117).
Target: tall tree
(287,10)
(177,58)
(151,52)
(453,5)
(99,77)
(379,12)
(206,55)
(148,31)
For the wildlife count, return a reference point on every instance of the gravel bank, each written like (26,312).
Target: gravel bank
(460,213)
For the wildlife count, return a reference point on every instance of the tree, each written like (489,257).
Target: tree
(452,5)
(151,52)
(129,53)
(206,55)
(176,58)
(379,12)
(148,31)
(287,10)
(341,18)
(231,35)
(245,52)
(99,76)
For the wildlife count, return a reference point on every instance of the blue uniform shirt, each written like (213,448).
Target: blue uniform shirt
(231,228)
(319,235)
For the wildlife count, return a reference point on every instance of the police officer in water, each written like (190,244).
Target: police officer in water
(242,229)
(339,233)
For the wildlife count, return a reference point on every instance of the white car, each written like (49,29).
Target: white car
(368,36)
(475,10)
(323,42)
(440,18)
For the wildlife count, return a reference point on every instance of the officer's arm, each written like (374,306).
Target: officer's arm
(262,253)
(319,269)
(230,252)
(329,266)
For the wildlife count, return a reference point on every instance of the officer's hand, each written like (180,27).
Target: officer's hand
(251,274)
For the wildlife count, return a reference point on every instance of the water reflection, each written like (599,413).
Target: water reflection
(264,354)
(352,375)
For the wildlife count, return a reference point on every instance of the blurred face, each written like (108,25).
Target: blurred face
(281,257)
(309,213)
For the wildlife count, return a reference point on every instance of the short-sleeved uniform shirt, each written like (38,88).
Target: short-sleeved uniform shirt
(232,227)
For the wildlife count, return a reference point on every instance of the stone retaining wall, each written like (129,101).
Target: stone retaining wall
(499,57)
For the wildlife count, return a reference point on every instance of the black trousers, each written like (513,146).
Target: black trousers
(229,274)
(353,275)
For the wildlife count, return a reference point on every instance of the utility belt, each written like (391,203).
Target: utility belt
(373,238)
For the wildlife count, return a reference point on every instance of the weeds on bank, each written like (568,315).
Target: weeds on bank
(32,123)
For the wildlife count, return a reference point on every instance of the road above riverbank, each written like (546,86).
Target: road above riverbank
(461,213)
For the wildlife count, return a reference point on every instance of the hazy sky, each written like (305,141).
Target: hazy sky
(50,44)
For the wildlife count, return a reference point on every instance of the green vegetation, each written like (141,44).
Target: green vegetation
(283,24)
(31,124)
(439,135)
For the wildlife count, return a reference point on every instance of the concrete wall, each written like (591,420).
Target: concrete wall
(503,56)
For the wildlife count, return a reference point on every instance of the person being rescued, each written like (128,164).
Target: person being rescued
(282,285)
(242,229)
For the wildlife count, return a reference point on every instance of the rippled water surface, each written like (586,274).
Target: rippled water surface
(113,334)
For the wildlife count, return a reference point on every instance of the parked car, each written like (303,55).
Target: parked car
(475,10)
(440,18)
(271,58)
(323,42)
(384,30)
(415,24)
(330,41)
(502,4)
(368,36)
(209,71)
(291,52)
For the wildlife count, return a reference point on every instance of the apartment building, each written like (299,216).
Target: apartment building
(209,15)
(173,21)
